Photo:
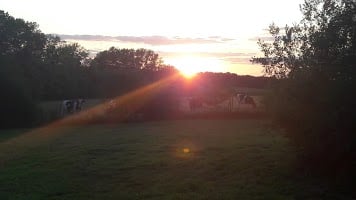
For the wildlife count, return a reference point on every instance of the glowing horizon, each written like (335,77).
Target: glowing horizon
(191,65)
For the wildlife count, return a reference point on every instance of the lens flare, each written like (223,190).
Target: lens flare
(186,150)
(132,100)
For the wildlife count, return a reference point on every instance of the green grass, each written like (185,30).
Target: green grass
(227,159)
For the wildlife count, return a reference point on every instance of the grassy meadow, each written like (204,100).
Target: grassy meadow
(183,159)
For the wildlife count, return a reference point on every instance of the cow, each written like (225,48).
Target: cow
(78,103)
(245,99)
(71,106)
(110,105)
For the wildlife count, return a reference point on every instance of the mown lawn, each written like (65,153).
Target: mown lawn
(185,159)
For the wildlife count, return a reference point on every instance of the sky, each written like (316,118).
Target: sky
(192,35)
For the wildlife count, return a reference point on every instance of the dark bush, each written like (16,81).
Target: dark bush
(18,109)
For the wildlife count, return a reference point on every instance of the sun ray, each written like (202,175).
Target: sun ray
(134,100)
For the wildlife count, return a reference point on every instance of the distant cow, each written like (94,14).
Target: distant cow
(245,99)
(71,106)
(240,97)
(249,100)
(111,105)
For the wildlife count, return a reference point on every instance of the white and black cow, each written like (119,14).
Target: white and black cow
(71,106)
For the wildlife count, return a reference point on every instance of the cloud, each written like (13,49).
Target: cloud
(209,54)
(237,60)
(229,57)
(263,38)
(151,40)
(221,38)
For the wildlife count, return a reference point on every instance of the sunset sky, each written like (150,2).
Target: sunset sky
(193,35)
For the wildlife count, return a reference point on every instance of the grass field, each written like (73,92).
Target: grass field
(185,159)
(50,110)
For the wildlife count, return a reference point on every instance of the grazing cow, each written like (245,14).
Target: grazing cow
(249,100)
(78,103)
(245,99)
(71,106)
(240,98)
(67,107)
(111,105)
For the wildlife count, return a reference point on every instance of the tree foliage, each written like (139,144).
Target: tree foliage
(65,75)
(313,63)
(36,67)
(21,45)
(128,59)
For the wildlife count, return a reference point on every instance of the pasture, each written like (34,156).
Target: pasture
(183,159)
(51,110)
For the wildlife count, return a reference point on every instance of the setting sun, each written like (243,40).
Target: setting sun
(188,74)
(186,150)
(191,65)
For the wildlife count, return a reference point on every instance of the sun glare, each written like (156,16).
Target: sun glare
(186,150)
(189,66)
(187,73)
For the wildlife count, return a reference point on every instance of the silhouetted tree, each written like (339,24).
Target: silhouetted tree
(126,59)
(21,45)
(314,66)
(65,74)
(36,67)
(116,71)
